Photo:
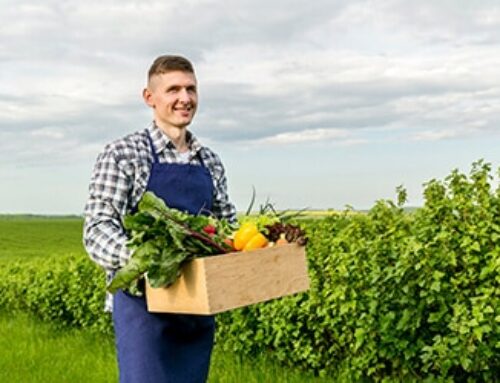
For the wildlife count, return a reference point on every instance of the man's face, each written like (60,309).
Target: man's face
(173,97)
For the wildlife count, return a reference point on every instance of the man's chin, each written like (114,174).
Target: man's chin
(182,124)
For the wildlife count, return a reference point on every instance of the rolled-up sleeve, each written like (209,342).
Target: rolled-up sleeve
(103,235)
(222,206)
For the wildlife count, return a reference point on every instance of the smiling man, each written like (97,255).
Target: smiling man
(174,98)
(167,159)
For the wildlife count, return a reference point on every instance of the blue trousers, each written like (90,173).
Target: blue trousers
(160,347)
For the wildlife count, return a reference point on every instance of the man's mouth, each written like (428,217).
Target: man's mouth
(184,109)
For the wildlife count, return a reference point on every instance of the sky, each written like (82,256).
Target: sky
(314,104)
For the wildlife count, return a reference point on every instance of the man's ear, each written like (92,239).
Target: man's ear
(148,97)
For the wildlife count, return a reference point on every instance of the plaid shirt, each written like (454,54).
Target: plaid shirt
(119,180)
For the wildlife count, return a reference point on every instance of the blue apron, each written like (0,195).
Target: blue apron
(163,347)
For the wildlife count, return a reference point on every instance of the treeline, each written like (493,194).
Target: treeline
(395,296)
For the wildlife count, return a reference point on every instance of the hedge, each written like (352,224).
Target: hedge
(395,296)
(68,290)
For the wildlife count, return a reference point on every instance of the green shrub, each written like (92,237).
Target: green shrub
(394,296)
(66,289)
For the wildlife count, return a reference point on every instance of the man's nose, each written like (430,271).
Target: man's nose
(184,95)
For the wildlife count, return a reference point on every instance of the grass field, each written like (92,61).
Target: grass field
(25,237)
(33,351)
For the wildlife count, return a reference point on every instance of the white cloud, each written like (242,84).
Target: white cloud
(489,17)
(434,135)
(54,133)
(304,136)
(267,71)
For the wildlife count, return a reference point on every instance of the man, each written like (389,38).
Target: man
(168,160)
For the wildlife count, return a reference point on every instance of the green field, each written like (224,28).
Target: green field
(32,351)
(25,237)
(35,351)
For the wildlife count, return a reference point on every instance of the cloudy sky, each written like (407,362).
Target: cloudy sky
(316,104)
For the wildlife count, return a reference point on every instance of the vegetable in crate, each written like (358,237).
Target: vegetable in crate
(268,228)
(163,239)
(286,231)
(248,237)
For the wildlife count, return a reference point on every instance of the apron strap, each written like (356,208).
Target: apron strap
(153,151)
(200,158)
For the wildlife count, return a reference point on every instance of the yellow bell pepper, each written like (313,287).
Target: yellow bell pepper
(248,237)
(258,241)
(244,234)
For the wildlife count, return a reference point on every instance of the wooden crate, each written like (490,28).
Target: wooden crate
(219,283)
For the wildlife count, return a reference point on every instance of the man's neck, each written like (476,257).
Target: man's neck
(177,136)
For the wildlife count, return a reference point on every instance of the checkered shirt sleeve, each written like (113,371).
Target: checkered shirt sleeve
(104,236)
(222,207)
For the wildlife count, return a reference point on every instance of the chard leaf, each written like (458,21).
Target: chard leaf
(153,205)
(136,266)
(126,275)
(177,235)
(138,222)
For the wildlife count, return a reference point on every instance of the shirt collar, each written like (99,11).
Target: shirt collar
(161,142)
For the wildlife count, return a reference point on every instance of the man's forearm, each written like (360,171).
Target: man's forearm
(105,242)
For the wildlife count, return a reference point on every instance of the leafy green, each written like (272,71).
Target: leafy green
(163,239)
